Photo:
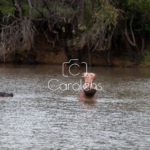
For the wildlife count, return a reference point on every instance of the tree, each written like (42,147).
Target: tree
(75,24)
(140,9)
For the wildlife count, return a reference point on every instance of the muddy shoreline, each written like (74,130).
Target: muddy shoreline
(42,63)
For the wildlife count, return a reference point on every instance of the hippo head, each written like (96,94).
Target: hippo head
(88,79)
(11,95)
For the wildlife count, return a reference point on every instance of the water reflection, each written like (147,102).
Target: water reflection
(87,104)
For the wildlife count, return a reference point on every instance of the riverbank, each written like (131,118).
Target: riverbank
(116,61)
(45,53)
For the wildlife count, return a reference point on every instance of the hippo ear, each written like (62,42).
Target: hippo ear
(93,76)
(84,75)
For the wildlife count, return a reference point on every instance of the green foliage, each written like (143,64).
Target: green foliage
(124,57)
(1,15)
(26,9)
(141,13)
(94,23)
(19,50)
(147,58)
(64,11)
(147,29)
(141,17)
(36,14)
(88,14)
(143,8)
(5,7)
(51,49)
(106,15)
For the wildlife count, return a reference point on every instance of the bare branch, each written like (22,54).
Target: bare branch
(30,10)
(19,9)
(49,26)
(132,22)
(127,36)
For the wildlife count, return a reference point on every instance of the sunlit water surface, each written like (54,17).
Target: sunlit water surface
(41,119)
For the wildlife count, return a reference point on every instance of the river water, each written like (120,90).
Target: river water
(38,118)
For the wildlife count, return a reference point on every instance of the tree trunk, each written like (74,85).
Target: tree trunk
(77,56)
(117,45)
(90,63)
(132,42)
(143,40)
(67,53)
(105,58)
(109,63)
(131,53)
(31,56)
(137,55)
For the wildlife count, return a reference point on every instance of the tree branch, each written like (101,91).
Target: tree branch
(127,36)
(19,9)
(132,22)
(49,25)
(30,10)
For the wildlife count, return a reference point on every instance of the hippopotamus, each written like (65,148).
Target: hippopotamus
(88,91)
(3,94)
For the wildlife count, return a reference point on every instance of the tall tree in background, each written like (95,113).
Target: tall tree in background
(139,9)
(75,24)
